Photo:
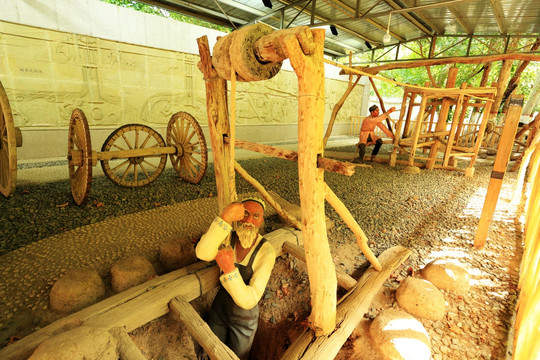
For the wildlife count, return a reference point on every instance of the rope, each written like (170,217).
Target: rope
(227,16)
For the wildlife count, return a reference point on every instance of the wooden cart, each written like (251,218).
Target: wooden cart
(135,155)
(10,140)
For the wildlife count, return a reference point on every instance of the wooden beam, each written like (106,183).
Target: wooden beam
(200,330)
(322,276)
(499,15)
(218,122)
(323,163)
(269,199)
(409,17)
(126,347)
(499,168)
(443,114)
(458,59)
(345,214)
(344,280)
(351,310)
(460,19)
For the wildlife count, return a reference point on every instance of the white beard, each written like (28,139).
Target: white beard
(247,234)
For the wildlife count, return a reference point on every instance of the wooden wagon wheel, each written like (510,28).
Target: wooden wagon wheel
(8,147)
(191,157)
(79,156)
(134,171)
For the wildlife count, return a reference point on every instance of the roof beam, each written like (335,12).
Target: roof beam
(243,7)
(459,17)
(499,15)
(409,17)
(340,27)
(372,22)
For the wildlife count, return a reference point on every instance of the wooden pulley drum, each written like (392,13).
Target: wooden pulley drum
(490,127)
(135,155)
(238,50)
(10,139)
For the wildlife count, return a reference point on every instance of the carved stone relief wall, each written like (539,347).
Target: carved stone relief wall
(48,73)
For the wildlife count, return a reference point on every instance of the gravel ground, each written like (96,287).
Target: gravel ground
(435,213)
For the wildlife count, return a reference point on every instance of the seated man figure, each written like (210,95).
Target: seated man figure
(246,266)
(367,133)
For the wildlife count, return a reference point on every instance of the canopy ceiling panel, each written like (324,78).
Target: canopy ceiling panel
(354,25)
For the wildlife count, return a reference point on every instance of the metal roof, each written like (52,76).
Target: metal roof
(361,24)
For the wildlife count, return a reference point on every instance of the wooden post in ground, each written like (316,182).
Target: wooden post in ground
(499,168)
(443,114)
(218,123)
(453,128)
(200,330)
(321,270)
(351,310)
(504,74)
(399,124)
(417,128)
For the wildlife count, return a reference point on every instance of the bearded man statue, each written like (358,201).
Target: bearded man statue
(246,265)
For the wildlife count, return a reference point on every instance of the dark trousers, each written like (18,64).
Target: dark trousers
(362,148)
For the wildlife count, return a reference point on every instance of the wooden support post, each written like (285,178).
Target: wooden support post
(399,125)
(453,128)
(218,123)
(499,168)
(381,103)
(443,114)
(200,330)
(417,128)
(351,310)
(533,126)
(269,199)
(126,347)
(504,74)
(322,277)
(337,107)
(361,237)
(480,137)
(409,115)
(344,280)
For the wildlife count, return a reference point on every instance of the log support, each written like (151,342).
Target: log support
(499,168)
(351,310)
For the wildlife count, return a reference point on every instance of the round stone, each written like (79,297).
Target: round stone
(448,275)
(421,298)
(77,289)
(78,344)
(399,336)
(177,253)
(131,271)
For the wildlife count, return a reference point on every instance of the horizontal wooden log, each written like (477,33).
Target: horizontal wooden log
(137,306)
(269,48)
(350,311)
(344,280)
(452,60)
(200,330)
(124,154)
(126,347)
(322,163)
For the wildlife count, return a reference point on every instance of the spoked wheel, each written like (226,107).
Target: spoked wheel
(136,170)
(191,157)
(79,157)
(8,147)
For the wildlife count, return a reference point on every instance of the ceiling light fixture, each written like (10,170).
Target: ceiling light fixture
(267,3)
(387,38)
(333,30)
(368,45)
